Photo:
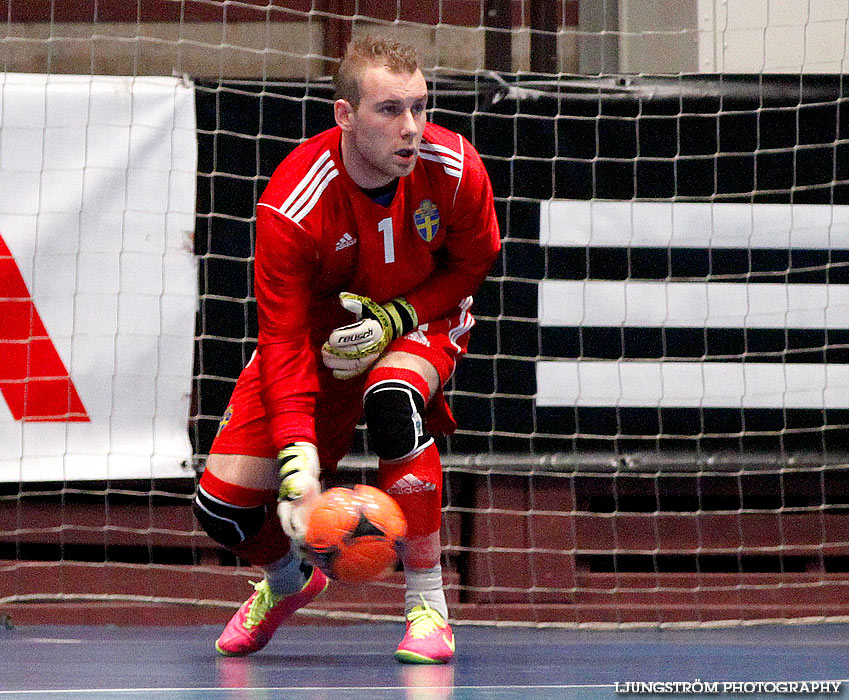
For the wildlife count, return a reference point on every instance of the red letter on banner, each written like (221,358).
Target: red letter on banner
(33,378)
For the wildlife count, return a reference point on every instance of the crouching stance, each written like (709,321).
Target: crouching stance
(371,238)
(243,518)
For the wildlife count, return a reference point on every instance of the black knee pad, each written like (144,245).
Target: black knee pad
(394,414)
(225,523)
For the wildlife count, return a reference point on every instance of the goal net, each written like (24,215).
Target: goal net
(654,411)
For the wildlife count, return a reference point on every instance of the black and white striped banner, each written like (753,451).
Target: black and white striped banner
(715,309)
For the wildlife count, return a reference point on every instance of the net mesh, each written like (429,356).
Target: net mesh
(653,412)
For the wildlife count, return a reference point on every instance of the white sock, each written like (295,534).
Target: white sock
(285,576)
(427,584)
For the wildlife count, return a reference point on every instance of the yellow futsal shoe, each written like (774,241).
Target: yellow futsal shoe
(428,639)
(255,622)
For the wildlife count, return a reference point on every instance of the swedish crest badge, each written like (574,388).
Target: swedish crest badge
(426,218)
(225,419)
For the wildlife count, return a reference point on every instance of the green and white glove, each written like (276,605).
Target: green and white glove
(353,348)
(299,485)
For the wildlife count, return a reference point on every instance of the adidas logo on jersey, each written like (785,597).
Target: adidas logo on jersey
(418,337)
(410,484)
(346,241)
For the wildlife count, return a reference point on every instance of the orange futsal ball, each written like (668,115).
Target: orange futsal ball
(352,533)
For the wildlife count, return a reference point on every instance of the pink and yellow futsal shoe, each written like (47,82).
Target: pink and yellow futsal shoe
(428,639)
(253,625)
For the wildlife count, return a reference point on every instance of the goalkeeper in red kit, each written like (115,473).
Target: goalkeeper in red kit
(371,238)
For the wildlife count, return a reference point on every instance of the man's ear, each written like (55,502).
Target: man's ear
(343,113)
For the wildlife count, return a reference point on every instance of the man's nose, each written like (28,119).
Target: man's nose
(408,125)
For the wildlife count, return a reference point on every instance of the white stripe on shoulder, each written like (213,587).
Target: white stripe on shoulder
(306,181)
(296,217)
(444,150)
(448,165)
(451,160)
(306,193)
(459,180)
(295,210)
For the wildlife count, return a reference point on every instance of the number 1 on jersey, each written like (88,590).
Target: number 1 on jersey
(385,227)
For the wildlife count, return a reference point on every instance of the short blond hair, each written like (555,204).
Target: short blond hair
(396,56)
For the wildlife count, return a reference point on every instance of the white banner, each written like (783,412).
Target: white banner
(604,223)
(649,384)
(641,303)
(97,206)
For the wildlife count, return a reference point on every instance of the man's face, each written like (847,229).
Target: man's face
(384,131)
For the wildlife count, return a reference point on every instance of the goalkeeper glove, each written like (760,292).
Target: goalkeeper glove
(352,349)
(299,470)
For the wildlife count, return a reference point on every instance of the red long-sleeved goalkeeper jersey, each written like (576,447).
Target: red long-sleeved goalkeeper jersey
(319,234)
